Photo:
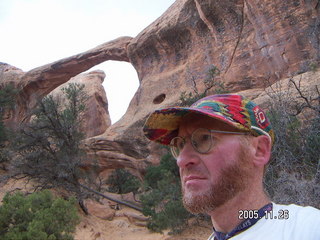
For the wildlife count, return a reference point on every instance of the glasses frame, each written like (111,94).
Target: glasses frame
(175,155)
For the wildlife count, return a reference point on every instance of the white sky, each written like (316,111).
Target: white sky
(37,32)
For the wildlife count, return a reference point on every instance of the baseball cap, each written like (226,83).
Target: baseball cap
(233,109)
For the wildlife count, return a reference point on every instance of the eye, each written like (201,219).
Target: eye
(205,137)
(178,143)
(202,140)
(176,146)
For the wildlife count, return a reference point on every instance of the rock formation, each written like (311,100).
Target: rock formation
(37,83)
(244,44)
(96,117)
(252,47)
(250,44)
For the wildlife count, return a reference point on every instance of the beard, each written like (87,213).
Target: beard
(233,179)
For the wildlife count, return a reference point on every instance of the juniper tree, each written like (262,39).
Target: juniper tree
(7,101)
(48,147)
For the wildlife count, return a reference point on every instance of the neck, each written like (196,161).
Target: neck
(226,217)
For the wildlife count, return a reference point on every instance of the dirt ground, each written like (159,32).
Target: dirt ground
(94,228)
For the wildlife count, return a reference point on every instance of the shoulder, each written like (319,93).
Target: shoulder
(303,222)
(287,222)
(297,213)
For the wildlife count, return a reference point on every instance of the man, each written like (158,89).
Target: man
(222,144)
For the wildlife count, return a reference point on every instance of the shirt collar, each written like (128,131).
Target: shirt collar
(244,224)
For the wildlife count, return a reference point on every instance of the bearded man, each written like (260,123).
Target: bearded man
(222,144)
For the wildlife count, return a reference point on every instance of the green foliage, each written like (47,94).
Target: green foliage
(186,99)
(167,166)
(162,199)
(297,144)
(210,81)
(294,172)
(122,181)
(7,94)
(313,66)
(7,101)
(37,216)
(312,144)
(48,148)
(288,137)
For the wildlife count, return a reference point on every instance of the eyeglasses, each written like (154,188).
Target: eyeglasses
(201,141)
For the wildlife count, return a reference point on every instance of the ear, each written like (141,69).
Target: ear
(262,150)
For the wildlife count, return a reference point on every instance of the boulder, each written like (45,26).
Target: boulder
(99,210)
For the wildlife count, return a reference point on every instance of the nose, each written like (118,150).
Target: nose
(188,156)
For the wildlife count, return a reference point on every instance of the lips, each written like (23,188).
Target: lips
(192,178)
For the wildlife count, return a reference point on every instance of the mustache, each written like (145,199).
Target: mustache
(192,171)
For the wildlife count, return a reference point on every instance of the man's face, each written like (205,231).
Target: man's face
(210,180)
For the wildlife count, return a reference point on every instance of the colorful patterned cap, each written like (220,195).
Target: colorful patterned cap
(232,109)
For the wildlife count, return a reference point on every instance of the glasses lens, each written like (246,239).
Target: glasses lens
(201,140)
(176,145)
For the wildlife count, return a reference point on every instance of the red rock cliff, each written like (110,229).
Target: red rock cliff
(251,43)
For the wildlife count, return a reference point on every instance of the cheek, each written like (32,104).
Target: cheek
(214,164)
(221,158)
(229,153)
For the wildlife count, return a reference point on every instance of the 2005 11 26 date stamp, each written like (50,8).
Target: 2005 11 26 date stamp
(282,214)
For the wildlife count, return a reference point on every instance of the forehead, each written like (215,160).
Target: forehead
(193,121)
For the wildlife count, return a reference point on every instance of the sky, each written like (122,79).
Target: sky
(36,32)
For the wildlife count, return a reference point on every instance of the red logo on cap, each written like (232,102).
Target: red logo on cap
(260,117)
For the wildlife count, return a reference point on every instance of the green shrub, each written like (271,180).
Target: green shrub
(7,101)
(313,66)
(156,173)
(37,216)
(162,199)
(210,82)
(293,175)
(312,145)
(48,149)
(187,99)
(122,181)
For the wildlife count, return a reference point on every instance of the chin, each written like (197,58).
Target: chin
(197,204)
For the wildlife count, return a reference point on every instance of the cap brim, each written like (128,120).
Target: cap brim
(163,124)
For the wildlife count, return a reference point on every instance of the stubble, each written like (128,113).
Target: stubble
(232,180)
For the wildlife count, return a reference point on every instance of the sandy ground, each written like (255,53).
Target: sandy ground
(13,185)
(94,228)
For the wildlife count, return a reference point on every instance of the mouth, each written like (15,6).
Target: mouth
(192,179)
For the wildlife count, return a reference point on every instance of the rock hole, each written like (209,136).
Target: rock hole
(159,99)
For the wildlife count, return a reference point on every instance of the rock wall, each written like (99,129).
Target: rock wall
(251,44)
